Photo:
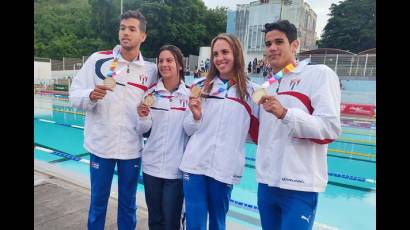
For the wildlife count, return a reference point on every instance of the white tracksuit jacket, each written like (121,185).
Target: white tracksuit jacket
(110,123)
(216,144)
(291,153)
(162,154)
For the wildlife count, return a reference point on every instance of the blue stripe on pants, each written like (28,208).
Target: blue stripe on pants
(286,209)
(204,194)
(101,173)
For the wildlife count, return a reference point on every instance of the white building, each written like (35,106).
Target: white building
(248,21)
(42,72)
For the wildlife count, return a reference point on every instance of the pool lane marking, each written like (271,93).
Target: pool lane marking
(58,123)
(330,149)
(360,133)
(352,158)
(348,140)
(342,140)
(75,158)
(340,175)
(61,110)
(352,153)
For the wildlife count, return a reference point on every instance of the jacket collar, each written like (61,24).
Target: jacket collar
(160,87)
(136,61)
(301,65)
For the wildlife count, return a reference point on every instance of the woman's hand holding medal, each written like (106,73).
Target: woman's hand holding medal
(195,102)
(143,110)
(99,92)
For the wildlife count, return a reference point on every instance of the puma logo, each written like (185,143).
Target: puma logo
(305,218)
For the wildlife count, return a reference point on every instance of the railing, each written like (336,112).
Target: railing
(346,64)
(76,63)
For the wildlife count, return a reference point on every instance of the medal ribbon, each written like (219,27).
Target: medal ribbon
(223,88)
(276,77)
(156,94)
(113,67)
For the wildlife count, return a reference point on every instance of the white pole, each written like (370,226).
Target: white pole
(337,57)
(365,65)
(351,66)
(121,6)
(357,66)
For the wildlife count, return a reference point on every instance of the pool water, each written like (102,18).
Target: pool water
(347,203)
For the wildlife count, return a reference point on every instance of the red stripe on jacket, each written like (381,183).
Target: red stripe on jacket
(179,108)
(306,101)
(107,52)
(143,87)
(254,126)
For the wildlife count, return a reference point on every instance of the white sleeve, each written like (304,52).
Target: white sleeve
(82,85)
(144,124)
(324,122)
(190,124)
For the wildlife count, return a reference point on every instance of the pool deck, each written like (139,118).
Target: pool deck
(59,204)
(62,198)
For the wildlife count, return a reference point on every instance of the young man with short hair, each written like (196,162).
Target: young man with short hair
(300,116)
(109,87)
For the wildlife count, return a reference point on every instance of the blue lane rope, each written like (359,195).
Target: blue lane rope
(72,157)
(340,175)
(58,123)
(81,127)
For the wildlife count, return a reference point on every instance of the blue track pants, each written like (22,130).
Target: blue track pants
(101,172)
(205,195)
(286,209)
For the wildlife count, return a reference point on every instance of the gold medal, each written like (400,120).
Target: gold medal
(257,95)
(109,82)
(148,100)
(195,91)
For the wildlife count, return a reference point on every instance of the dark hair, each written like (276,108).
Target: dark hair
(137,15)
(176,52)
(284,26)
(238,65)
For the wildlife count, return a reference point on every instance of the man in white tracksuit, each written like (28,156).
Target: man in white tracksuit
(300,116)
(110,133)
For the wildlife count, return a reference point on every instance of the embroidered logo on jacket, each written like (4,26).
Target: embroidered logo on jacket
(143,78)
(294,82)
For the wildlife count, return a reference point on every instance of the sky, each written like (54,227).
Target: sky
(321,8)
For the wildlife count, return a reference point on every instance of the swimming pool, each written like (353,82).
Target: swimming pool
(349,201)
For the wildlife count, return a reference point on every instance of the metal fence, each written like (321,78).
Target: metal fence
(346,64)
(76,63)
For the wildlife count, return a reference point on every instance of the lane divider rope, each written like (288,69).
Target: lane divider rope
(340,175)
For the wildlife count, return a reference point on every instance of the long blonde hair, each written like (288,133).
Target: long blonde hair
(238,66)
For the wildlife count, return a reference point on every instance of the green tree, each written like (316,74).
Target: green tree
(75,28)
(187,24)
(352,26)
(62,29)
